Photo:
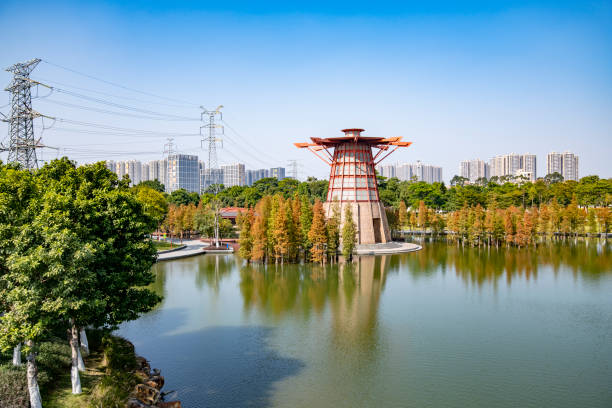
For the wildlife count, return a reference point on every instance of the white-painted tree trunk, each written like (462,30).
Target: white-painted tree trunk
(74,369)
(76,380)
(80,362)
(32,375)
(84,342)
(17,355)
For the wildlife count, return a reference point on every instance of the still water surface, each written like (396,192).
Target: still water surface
(443,327)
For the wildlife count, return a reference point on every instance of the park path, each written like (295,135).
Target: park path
(192,247)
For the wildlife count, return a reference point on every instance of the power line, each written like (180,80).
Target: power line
(111,94)
(120,106)
(111,133)
(109,112)
(118,85)
(126,130)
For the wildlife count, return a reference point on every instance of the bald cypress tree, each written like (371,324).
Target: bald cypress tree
(246,236)
(349,234)
(318,233)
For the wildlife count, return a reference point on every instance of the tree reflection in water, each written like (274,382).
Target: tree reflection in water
(588,258)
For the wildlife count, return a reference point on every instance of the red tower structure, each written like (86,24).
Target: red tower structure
(352,179)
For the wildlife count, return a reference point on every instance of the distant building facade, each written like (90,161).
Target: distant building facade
(565,163)
(234,175)
(133,168)
(514,164)
(474,169)
(187,172)
(183,173)
(387,170)
(254,175)
(412,171)
(211,177)
(278,172)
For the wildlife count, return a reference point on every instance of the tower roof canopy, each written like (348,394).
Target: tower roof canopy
(320,146)
(354,135)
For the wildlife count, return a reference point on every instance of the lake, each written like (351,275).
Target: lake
(443,327)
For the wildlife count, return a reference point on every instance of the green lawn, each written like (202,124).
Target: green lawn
(163,245)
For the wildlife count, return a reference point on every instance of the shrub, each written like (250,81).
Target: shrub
(119,354)
(13,387)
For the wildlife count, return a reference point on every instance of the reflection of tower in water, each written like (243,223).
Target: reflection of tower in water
(355,310)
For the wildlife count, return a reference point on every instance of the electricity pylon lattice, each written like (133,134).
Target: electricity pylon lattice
(293,165)
(210,138)
(22,144)
(211,176)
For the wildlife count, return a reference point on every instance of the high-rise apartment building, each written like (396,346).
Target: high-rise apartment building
(529,165)
(212,177)
(565,163)
(512,164)
(133,168)
(278,172)
(144,173)
(158,170)
(412,171)
(474,170)
(554,163)
(183,173)
(388,170)
(254,175)
(570,166)
(234,175)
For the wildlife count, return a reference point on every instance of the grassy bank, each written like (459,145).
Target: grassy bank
(163,245)
(106,382)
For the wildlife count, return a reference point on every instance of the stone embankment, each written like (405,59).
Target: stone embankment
(148,393)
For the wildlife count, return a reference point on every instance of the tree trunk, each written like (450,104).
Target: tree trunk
(80,362)
(84,342)
(74,369)
(17,355)
(32,375)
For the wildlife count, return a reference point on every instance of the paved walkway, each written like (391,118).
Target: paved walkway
(192,247)
(388,248)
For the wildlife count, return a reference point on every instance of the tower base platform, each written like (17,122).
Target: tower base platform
(386,248)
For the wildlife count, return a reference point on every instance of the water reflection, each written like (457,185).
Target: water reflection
(589,259)
(401,330)
(351,292)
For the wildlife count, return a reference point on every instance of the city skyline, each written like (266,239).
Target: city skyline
(458,81)
(189,173)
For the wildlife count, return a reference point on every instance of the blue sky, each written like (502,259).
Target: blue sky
(459,79)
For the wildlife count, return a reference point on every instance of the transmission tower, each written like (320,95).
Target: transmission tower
(293,165)
(210,138)
(22,144)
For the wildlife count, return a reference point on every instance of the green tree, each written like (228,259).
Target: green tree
(591,221)
(104,283)
(183,197)
(19,312)
(553,178)
(458,180)
(153,184)
(81,258)
(153,202)
(349,234)
(246,237)
(305,223)
(333,231)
